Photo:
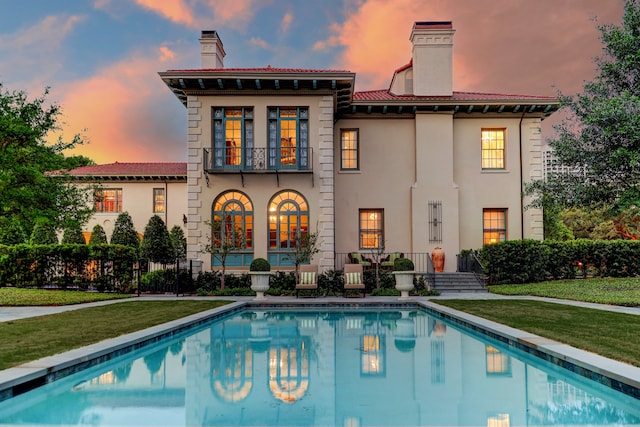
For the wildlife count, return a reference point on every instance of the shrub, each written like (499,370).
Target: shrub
(403,264)
(156,244)
(260,264)
(98,236)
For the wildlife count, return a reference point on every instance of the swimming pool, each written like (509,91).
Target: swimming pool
(338,366)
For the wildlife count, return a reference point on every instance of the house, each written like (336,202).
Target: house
(275,152)
(141,189)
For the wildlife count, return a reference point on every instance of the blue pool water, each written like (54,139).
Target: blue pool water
(360,367)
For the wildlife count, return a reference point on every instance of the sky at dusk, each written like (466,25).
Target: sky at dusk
(101,57)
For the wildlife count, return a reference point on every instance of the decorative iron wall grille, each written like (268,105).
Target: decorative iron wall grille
(435,221)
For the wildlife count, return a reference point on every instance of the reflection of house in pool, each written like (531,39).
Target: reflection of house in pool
(328,367)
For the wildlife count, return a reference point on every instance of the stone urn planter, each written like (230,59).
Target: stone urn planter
(260,272)
(403,272)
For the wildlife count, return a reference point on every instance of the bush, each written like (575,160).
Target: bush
(403,264)
(260,264)
(530,261)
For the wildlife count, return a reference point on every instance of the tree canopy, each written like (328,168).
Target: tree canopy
(156,244)
(124,233)
(27,190)
(600,139)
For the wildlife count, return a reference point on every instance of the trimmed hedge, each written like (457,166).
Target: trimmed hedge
(530,261)
(103,267)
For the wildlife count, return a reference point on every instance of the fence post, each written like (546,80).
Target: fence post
(177,277)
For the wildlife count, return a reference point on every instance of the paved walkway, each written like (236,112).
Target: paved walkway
(13,313)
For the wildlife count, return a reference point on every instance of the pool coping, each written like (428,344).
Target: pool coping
(616,375)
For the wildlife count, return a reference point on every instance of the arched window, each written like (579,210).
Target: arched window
(232,225)
(288,221)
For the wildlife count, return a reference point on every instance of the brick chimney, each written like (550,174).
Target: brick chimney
(211,51)
(432,43)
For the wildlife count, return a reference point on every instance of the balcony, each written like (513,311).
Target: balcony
(237,160)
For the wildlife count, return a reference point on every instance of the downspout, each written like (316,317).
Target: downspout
(166,203)
(521,177)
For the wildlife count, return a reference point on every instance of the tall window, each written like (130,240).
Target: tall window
(493,148)
(371,228)
(288,221)
(108,200)
(288,138)
(494,225)
(232,137)
(349,147)
(232,225)
(158,200)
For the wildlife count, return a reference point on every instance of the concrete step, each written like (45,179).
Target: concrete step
(458,282)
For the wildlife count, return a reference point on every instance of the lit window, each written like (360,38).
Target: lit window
(371,228)
(232,133)
(349,149)
(288,140)
(288,222)
(493,148)
(232,217)
(108,200)
(158,200)
(494,225)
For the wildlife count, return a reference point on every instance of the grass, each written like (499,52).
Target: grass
(29,339)
(17,297)
(613,335)
(613,291)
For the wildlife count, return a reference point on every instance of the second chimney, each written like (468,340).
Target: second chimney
(432,58)
(211,51)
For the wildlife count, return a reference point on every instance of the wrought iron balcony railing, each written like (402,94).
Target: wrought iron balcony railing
(236,159)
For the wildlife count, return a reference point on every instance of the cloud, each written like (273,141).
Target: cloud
(499,45)
(200,14)
(174,10)
(125,111)
(24,52)
(257,41)
(286,21)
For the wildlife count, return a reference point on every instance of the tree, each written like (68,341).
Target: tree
(179,242)
(73,235)
(156,242)
(124,233)
(11,232)
(223,241)
(305,247)
(98,236)
(601,136)
(28,189)
(43,233)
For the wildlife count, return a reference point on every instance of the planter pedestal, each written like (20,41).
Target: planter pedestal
(404,282)
(260,282)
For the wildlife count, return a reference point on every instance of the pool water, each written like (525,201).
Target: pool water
(359,367)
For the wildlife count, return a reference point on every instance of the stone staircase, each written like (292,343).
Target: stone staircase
(458,282)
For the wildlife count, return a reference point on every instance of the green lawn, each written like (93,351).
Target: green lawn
(15,297)
(613,291)
(30,339)
(613,335)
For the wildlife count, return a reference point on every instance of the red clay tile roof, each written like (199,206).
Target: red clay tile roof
(177,170)
(386,95)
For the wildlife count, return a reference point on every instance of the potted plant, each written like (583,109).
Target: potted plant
(260,270)
(403,271)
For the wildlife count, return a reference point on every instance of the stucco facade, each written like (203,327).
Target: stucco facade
(277,152)
(140,189)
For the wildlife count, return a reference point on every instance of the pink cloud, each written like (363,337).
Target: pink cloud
(499,45)
(287,19)
(125,112)
(201,14)
(175,10)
